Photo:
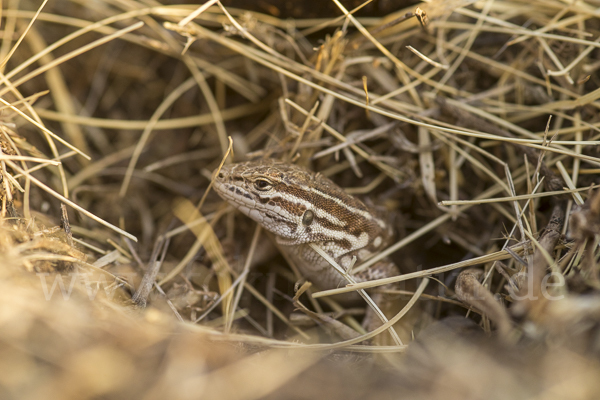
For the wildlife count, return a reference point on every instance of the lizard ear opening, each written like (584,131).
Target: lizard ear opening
(308,217)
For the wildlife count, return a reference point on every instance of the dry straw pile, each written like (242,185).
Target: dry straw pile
(474,126)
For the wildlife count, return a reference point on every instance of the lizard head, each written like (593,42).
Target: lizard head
(271,193)
(295,204)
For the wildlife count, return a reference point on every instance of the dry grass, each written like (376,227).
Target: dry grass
(476,135)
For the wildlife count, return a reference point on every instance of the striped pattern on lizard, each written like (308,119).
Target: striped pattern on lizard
(300,207)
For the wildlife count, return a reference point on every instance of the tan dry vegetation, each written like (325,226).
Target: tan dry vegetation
(475,131)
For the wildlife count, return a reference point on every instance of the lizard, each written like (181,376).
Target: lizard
(301,207)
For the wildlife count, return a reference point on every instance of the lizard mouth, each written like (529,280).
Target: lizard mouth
(233,192)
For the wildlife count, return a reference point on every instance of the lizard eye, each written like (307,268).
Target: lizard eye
(262,184)
(308,217)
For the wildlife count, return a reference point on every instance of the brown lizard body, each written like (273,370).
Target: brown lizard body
(301,207)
